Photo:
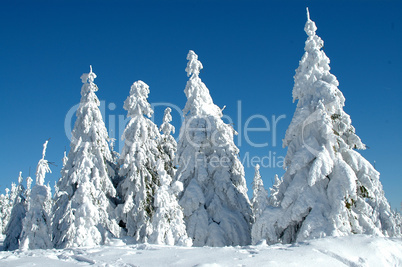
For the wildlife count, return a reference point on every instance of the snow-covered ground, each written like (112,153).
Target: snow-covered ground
(356,250)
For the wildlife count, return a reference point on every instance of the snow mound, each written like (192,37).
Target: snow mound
(356,250)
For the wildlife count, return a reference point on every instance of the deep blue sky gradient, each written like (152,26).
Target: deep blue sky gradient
(249,49)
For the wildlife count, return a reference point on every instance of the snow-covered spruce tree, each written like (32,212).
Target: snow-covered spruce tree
(167,221)
(18,212)
(216,208)
(4,203)
(36,231)
(260,195)
(138,170)
(167,144)
(260,199)
(6,209)
(328,188)
(398,222)
(83,205)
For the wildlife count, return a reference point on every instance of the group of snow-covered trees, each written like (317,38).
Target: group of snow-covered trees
(163,192)
(26,213)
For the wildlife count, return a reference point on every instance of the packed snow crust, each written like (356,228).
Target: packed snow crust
(356,250)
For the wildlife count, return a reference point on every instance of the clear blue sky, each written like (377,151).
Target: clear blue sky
(249,49)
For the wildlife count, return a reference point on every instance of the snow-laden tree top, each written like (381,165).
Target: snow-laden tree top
(20,179)
(328,189)
(65,159)
(166,127)
(316,90)
(310,27)
(137,103)
(89,78)
(43,167)
(194,66)
(199,101)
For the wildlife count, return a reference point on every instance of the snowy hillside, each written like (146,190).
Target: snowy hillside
(356,250)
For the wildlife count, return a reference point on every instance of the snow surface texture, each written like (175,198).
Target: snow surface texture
(216,208)
(84,192)
(351,251)
(328,188)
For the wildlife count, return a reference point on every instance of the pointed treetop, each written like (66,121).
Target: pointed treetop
(20,178)
(257,168)
(194,66)
(308,14)
(137,103)
(44,148)
(139,89)
(88,77)
(199,100)
(257,177)
(166,116)
(166,127)
(65,159)
(310,27)
(43,167)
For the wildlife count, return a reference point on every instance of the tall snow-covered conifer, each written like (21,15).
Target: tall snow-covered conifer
(260,201)
(18,212)
(83,206)
(4,211)
(328,189)
(167,144)
(139,157)
(216,208)
(37,231)
(260,195)
(167,222)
